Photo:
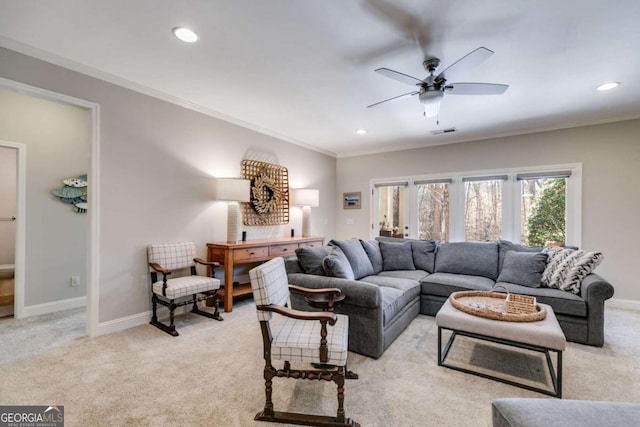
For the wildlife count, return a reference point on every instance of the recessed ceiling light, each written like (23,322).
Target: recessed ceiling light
(361,131)
(185,34)
(608,86)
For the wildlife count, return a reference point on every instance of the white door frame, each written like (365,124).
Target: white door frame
(94,206)
(19,250)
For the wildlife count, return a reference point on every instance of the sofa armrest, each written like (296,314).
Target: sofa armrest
(595,290)
(361,294)
(292,265)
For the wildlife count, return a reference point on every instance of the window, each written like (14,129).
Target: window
(543,209)
(483,208)
(433,209)
(533,206)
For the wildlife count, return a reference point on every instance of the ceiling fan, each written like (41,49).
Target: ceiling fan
(431,90)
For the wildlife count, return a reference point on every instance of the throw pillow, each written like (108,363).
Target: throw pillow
(567,267)
(470,258)
(424,254)
(523,268)
(505,246)
(397,256)
(310,259)
(336,264)
(353,250)
(372,248)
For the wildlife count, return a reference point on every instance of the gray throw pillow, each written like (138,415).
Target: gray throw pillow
(336,264)
(523,268)
(506,246)
(470,258)
(372,248)
(310,259)
(353,250)
(424,256)
(397,256)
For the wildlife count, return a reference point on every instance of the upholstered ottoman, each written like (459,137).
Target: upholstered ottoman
(563,413)
(543,336)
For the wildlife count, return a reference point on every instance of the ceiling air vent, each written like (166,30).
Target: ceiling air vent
(441,131)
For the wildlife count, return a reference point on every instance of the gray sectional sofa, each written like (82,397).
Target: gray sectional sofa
(387,282)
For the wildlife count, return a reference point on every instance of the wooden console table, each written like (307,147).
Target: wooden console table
(252,251)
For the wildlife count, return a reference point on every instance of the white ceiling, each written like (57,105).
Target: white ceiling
(302,70)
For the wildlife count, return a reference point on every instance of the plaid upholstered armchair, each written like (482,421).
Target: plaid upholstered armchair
(300,337)
(179,291)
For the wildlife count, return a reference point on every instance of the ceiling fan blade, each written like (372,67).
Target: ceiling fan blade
(468,61)
(475,88)
(395,75)
(395,98)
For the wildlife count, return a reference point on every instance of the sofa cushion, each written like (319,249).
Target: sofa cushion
(567,267)
(353,250)
(394,301)
(469,258)
(424,254)
(443,284)
(505,246)
(372,248)
(397,256)
(404,285)
(416,275)
(523,268)
(336,264)
(563,302)
(310,259)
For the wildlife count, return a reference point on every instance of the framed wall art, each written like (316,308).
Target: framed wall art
(351,200)
(269,203)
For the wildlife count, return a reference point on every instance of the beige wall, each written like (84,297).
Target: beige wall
(157,161)
(8,185)
(609,153)
(56,136)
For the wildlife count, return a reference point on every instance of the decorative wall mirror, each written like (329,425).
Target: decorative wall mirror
(269,203)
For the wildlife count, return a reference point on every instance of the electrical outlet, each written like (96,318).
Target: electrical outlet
(75,281)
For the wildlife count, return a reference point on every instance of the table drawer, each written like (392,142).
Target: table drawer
(311,244)
(258,253)
(283,250)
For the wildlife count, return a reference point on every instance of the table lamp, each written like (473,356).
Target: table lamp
(307,198)
(233,190)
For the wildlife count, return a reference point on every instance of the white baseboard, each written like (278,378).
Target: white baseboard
(123,323)
(143,318)
(52,307)
(626,304)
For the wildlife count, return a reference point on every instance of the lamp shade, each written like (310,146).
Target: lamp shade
(232,189)
(306,197)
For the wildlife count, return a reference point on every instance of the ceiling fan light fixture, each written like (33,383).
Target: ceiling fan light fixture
(431,100)
(431,110)
(185,34)
(608,86)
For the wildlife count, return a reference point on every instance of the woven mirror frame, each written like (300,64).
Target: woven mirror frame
(269,203)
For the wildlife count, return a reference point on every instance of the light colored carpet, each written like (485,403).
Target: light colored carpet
(212,374)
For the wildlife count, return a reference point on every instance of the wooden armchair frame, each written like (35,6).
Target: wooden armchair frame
(337,374)
(172,304)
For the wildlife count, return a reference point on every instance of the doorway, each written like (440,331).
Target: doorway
(28,302)
(8,192)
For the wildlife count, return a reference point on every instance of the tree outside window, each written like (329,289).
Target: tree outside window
(483,210)
(433,211)
(543,211)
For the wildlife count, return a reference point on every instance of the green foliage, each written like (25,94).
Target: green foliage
(547,220)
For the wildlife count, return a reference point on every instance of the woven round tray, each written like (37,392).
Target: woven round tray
(492,305)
